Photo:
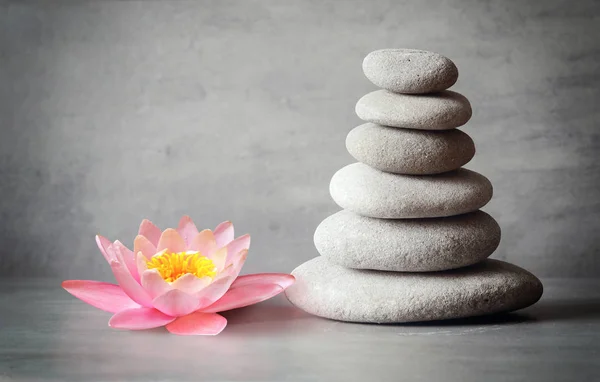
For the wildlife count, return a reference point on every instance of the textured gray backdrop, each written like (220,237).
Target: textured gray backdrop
(115,111)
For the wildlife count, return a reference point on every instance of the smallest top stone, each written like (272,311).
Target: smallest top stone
(410,71)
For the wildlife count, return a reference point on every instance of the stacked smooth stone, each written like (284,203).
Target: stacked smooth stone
(410,243)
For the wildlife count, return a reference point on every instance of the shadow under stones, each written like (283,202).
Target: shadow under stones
(493,319)
(566,310)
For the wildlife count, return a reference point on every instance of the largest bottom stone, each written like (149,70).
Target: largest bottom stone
(339,293)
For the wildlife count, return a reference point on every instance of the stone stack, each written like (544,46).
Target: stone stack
(411,243)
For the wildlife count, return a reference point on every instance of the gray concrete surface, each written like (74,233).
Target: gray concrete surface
(48,335)
(114,111)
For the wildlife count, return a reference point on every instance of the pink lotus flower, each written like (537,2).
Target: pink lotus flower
(177,278)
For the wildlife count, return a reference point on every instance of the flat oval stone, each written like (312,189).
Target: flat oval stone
(369,192)
(407,245)
(406,151)
(440,111)
(410,71)
(331,291)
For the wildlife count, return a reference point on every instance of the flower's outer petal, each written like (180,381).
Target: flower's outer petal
(187,229)
(176,303)
(105,247)
(238,263)
(284,280)
(236,246)
(219,257)
(244,296)
(127,257)
(233,270)
(129,285)
(199,324)
(204,242)
(142,263)
(154,284)
(224,234)
(150,231)
(171,241)
(139,318)
(191,284)
(101,295)
(142,244)
(214,291)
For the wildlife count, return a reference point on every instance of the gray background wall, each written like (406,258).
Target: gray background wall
(115,111)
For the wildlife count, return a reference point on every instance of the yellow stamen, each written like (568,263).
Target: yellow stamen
(172,266)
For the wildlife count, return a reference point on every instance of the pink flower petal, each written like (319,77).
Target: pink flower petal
(126,256)
(101,295)
(233,270)
(191,284)
(176,303)
(199,324)
(150,231)
(214,291)
(224,234)
(219,257)
(238,263)
(129,285)
(139,318)
(142,244)
(104,245)
(236,246)
(154,284)
(142,263)
(187,229)
(244,296)
(284,280)
(171,241)
(204,242)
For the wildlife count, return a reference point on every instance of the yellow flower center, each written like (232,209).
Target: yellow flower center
(172,266)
